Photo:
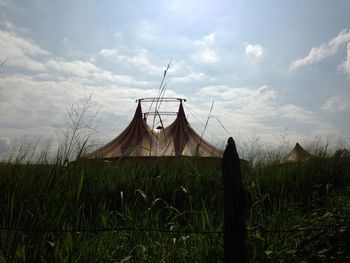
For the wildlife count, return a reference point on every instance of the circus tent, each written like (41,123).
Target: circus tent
(296,155)
(139,139)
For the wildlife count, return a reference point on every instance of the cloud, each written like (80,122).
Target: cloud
(246,111)
(25,54)
(146,31)
(118,74)
(4,144)
(253,102)
(243,111)
(21,52)
(4,2)
(298,114)
(14,29)
(119,36)
(207,56)
(195,76)
(254,51)
(78,68)
(26,63)
(138,61)
(206,40)
(263,93)
(175,5)
(345,66)
(35,101)
(12,45)
(108,53)
(89,73)
(209,39)
(317,54)
(35,106)
(335,104)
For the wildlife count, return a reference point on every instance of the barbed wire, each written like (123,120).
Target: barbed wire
(302,229)
(141,229)
(111,229)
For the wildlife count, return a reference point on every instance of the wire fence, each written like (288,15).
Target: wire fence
(141,229)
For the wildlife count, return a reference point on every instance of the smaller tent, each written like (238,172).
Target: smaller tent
(298,154)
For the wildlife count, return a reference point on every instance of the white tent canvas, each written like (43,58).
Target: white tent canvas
(296,155)
(138,139)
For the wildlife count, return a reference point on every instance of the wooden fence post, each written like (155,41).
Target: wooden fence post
(235,248)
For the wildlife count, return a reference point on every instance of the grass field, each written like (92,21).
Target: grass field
(295,213)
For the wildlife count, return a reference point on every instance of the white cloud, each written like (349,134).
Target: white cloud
(243,111)
(36,107)
(345,66)
(256,103)
(138,61)
(13,29)
(12,45)
(119,36)
(108,77)
(39,98)
(335,104)
(206,40)
(224,92)
(296,113)
(342,38)
(207,56)
(246,111)
(174,5)
(195,76)
(317,54)
(4,144)
(264,93)
(107,53)
(209,39)
(254,51)
(21,52)
(24,54)
(146,31)
(26,62)
(4,2)
(34,101)
(78,68)
(188,8)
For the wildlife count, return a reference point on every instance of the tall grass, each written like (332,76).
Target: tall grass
(170,194)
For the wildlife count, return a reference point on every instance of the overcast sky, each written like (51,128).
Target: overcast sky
(273,68)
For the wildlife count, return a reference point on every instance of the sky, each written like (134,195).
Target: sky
(276,70)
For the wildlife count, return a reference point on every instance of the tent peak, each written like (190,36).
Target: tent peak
(138,112)
(298,147)
(181,112)
(297,154)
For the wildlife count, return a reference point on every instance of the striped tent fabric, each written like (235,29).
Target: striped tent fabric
(138,139)
(296,155)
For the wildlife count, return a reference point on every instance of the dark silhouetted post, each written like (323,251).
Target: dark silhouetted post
(235,249)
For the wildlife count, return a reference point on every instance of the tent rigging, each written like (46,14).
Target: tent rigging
(161,99)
